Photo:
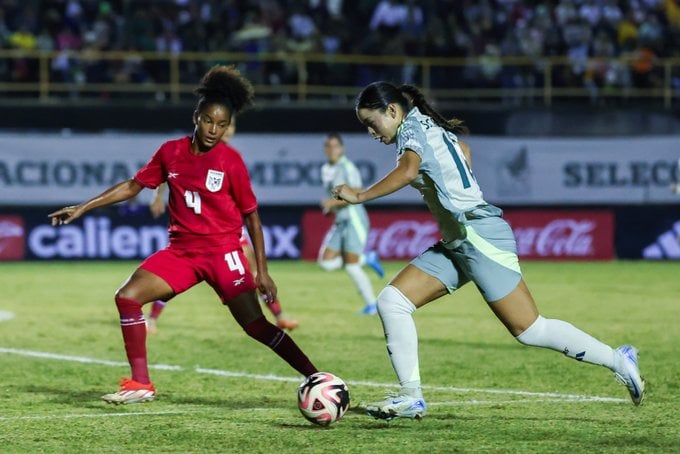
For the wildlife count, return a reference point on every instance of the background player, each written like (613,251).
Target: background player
(345,242)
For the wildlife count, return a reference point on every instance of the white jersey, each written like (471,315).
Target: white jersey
(342,172)
(445,179)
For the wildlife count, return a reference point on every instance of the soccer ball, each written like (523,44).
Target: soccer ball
(323,398)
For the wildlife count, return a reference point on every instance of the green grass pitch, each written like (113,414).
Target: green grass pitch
(220,391)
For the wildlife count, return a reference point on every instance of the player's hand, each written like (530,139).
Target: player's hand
(267,287)
(65,215)
(346,193)
(326,206)
(157,207)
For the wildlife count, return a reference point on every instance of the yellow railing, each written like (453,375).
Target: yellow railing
(442,78)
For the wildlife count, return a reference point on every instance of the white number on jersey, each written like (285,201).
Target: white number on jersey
(234,262)
(193,200)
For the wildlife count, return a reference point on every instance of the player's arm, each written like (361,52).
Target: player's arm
(406,171)
(116,193)
(264,282)
(157,205)
(330,205)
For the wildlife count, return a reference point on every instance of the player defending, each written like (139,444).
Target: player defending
(157,208)
(210,199)
(345,242)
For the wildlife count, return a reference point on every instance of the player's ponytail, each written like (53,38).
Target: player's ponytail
(225,85)
(417,99)
(378,95)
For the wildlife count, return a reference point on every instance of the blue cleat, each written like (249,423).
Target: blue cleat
(369,309)
(372,260)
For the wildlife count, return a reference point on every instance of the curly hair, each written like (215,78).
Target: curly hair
(225,85)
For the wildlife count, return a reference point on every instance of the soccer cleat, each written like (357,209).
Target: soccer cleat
(369,309)
(630,375)
(131,392)
(286,323)
(397,406)
(372,260)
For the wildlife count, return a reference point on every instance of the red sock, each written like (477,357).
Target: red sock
(271,336)
(157,308)
(134,335)
(275,307)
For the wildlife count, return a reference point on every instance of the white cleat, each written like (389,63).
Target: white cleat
(630,373)
(397,406)
(131,392)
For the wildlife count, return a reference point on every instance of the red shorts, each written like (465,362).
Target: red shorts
(226,271)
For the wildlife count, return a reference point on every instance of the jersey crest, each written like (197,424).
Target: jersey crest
(214,180)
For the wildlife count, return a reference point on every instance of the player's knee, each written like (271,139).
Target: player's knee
(331,264)
(391,300)
(127,305)
(263,331)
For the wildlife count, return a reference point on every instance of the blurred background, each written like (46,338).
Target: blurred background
(572,105)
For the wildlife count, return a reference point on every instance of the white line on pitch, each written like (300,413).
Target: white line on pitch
(96,415)
(270,377)
(6,315)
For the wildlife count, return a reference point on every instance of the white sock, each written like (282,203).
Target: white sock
(362,282)
(402,339)
(566,338)
(331,264)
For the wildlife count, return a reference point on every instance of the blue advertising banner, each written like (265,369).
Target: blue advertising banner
(121,232)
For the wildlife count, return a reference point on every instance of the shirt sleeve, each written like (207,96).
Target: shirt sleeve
(241,187)
(408,138)
(152,174)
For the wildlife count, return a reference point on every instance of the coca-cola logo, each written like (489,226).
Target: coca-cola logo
(558,238)
(404,239)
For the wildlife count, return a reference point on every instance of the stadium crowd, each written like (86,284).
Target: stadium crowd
(591,34)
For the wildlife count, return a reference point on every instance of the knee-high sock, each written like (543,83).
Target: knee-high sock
(156,308)
(362,282)
(331,264)
(134,336)
(275,307)
(402,339)
(564,337)
(274,338)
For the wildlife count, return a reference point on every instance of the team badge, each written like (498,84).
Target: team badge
(214,180)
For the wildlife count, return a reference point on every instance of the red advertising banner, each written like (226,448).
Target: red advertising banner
(540,234)
(12,238)
(394,235)
(563,234)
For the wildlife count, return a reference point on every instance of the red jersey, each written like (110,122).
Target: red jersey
(209,193)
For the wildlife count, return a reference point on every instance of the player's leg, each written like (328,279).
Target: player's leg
(490,254)
(518,312)
(236,288)
(329,253)
(354,238)
(160,276)
(152,319)
(282,320)
(141,287)
(361,282)
(417,284)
